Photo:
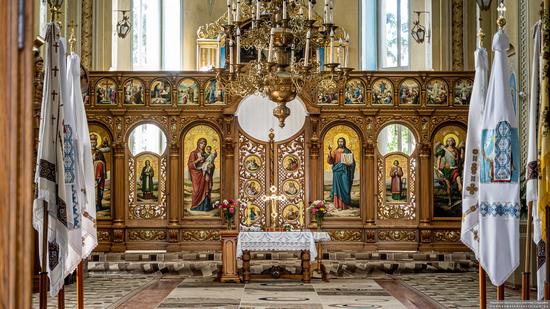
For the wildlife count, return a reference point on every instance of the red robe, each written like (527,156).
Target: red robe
(201,183)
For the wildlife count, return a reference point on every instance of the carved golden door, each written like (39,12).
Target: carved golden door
(266,164)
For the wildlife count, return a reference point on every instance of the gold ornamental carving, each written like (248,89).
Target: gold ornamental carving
(103,235)
(452,236)
(147,235)
(397,235)
(457,34)
(343,235)
(200,235)
(86,33)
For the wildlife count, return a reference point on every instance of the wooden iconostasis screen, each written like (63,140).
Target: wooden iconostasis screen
(385,149)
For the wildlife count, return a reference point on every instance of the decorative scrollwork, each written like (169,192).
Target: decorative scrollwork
(200,235)
(249,150)
(447,235)
(103,235)
(342,235)
(147,235)
(295,148)
(397,235)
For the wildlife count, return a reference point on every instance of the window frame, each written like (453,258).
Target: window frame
(379,37)
(162,38)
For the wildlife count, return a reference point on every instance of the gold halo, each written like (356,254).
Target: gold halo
(454,136)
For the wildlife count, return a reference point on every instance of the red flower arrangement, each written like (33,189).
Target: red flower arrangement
(228,210)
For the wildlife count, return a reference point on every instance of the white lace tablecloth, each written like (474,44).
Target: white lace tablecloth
(321,236)
(280,241)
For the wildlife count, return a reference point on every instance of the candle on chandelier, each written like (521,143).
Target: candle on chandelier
(238,13)
(347,51)
(253,14)
(325,17)
(258,9)
(331,12)
(341,52)
(306,50)
(285,15)
(292,60)
(259,55)
(230,56)
(309,10)
(229,12)
(238,61)
(270,51)
(331,53)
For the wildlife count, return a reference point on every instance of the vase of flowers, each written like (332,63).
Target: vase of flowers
(319,210)
(228,209)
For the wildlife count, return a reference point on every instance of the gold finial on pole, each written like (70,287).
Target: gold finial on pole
(72,36)
(501,20)
(480,33)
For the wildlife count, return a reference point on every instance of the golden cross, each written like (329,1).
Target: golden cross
(274,198)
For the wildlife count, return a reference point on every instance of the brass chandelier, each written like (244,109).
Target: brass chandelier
(288,40)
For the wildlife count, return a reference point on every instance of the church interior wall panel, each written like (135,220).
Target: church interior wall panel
(365,232)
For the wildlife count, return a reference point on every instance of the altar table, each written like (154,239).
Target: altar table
(281,241)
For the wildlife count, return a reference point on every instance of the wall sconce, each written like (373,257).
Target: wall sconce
(418,31)
(124,26)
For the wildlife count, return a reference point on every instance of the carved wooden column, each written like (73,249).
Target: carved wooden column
(457,35)
(425,184)
(173,198)
(229,184)
(314,152)
(120,198)
(370,184)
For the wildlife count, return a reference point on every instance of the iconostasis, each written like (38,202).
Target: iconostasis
(384,150)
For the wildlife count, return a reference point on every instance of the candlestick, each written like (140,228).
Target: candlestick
(270,51)
(258,9)
(230,56)
(238,15)
(292,55)
(306,51)
(331,12)
(346,51)
(253,15)
(331,52)
(259,55)
(238,45)
(309,10)
(325,16)
(284,10)
(341,52)
(229,12)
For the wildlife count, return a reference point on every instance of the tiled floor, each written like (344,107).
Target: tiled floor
(423,290)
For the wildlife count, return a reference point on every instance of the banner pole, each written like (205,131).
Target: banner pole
(525,276)
(43,287)
(80,285)
(482,289)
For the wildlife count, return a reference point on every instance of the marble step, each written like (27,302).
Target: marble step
(344,265)
(145,256)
